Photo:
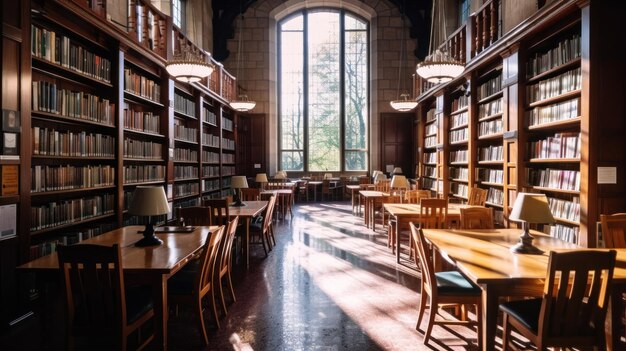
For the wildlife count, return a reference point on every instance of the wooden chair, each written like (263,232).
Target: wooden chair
(449,287)
(220,213)
(263,230)
(433,213)
(194,282)
(328,190)
(303,190)
(573,308)
(477,196)
(195,215)
(223,266)
(614,230)
(99,305)
(383,185)
(477,218)
(415,196)
(250,194)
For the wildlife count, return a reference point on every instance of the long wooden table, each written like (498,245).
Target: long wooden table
(246,213)
(484,257)
(144,265)
(405,213)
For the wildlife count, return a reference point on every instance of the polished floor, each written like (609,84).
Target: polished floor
(329,284)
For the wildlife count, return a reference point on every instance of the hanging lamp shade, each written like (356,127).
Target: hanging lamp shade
(403,104)
(439,67)
(242,104)
(188,70)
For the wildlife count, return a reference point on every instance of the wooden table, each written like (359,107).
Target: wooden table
(405,213)
(484,257)
(354,192)
(153,264)
(247,212)
(369,198)
(285,198)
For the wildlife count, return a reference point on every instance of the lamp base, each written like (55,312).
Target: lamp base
(237,204)
(525,246)
(149,239)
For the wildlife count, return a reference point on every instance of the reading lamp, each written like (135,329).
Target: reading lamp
(238,182)
(280,175)
(261,178)
(149,201)
(529,208)
(399,182)
(328,175)
(397,170)
(380,176)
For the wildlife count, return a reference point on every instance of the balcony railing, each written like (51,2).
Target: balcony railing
(486,26)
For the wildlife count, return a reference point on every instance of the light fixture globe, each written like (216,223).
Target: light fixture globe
(403,104)
(439,67)
(242,104)
(188,70)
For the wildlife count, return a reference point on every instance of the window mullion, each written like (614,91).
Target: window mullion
(342,91)
(305,80)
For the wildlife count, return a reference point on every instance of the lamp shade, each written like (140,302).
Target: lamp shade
(375,173)
(397,170)
(399,181)
(328,175)
(531,208)
(189,70)
(403,104)
(261,178)
(238,182)
(280,175)
(149,201)
(380,176)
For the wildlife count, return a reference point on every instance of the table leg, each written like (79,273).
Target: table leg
(366,214)
(490,317)
(246,244)
(159,291)
(398,239)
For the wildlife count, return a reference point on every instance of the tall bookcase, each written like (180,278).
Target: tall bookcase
(544,116)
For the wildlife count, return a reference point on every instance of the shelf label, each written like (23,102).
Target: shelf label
(512,134)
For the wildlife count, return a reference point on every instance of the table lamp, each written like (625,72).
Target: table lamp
(397,170)
(261,178)
(328,175)
(529,208)
(380,176)
(238,182)
(399,182)
(149,201)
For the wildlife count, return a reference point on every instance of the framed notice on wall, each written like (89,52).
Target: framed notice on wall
(8,221)
(9,180)
(11,121)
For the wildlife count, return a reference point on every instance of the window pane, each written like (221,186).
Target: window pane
(295,23)
(356,160)
(355,23)
(292,160)
(324,92)
(356,98)
(292,98)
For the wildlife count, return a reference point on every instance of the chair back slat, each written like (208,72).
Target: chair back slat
(227,244)
(477,196)
(220,213)
(208,259)
(614,230)
(269,212)
(433,213)
(424,254)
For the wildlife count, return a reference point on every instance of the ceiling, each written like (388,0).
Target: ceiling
(226,11)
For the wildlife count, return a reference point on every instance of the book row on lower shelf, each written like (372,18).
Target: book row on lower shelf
(554,178)
(58,213)
(561,145)
(55,178)
(561,111)
(47,97)
(51,142)
(143,149)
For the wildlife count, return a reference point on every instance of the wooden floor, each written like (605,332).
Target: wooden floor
(330,284)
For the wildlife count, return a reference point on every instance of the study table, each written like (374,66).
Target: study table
(483,256)
(285,199)
(405,213)
(250,210)
(142,265)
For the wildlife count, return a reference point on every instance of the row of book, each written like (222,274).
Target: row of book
(210,157)
(228,170)
(459,135)
(226,182)
(565,209)
(430,129)
(490,153)
(143,173)
(58,213)
(143,149)
(47,97)
(555,86)
(53,47)
(209,116)
(228,144)
(186,189)
(227,124)
(553,113)
(459,156)
(459,103)
(488,175)
(49,246)
(228,158)
(458,120)
(185,155)
(430,157)
(490,87)
(554,178)
(210,185)
(181,132)
(490,127)
(142,121)
(430,171)
(490,108)
(54,178)
(561,145)
(565,51)
(458,189)
(186,172)
(210,171)
(142,86)
(565,233)
(429,183)
(495,196)
(431,115)
(184,105)
(211,140)
(460,173)
(430,141)
(52,142)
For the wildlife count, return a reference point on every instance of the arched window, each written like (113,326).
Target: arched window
(323,91)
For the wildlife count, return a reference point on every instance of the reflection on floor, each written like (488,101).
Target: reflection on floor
(330,284)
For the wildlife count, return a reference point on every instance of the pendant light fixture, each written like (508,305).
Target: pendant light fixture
(439,66)
(242,103)
(188,64)
(405,103)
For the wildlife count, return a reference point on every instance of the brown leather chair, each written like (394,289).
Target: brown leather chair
(99,305)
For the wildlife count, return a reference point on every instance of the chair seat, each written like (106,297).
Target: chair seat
(454,283)
(138,302)
(525,311)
